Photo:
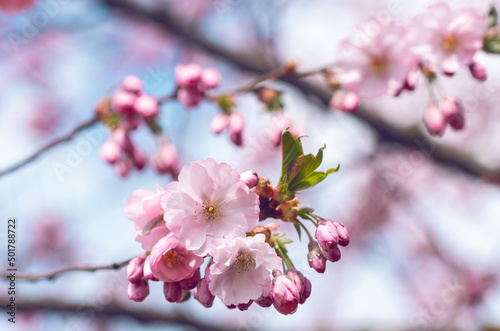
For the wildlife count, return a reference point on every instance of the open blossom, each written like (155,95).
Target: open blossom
(242,269)
(170,261)
(376,63)
(208,201)
(144,209)
(446,39)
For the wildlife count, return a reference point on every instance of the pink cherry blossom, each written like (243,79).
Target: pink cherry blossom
(138,291)
(434,119)
(209,201)
(144,209)
(170,261)
(242,269)
(285,293)
(446,39)
(375,64)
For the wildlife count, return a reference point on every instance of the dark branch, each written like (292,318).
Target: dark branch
(33,157)
(251,61)
(114,311)
(53,274)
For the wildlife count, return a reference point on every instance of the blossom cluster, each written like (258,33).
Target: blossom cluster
(201,234)
(388,57)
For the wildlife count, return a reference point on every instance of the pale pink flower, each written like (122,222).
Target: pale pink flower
(377,63)
(144,209)
(242,269)
(170,261)
(209,201)
(445,39)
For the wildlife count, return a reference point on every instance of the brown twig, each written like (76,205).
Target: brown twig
(53,274)
(56,142)
(115,310)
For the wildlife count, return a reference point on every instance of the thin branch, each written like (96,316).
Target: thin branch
(53,274)
(56,142)
(141,315)
(252,61)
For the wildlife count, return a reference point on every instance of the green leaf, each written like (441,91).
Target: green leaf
(492,17)
(491,44)
(292,149)
(299,230)
(312,179)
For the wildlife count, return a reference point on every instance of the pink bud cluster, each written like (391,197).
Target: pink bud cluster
(192,83)
(211,213)
(385,57)
(329,235)
(234,122)
(130,106)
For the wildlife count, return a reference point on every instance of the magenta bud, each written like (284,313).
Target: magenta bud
(316,260)
(147,106)
(191,282)
(210,78)
(132,84)
(173,292)
(434,119)
(244,306)
(285,295)
(303,284)
(327,235)
(187,75)
(135,270)
(123,102)
(351,102)
(122,138)
(110,151)
(165,159)
(343,234)
(138,291)
(236,122)
(478,71)
(219,123)
(189,97)
(250,178)
(265,301)
(237,138)
(123,168)
(411,80)
(332,255)
(138,158)
(453,112)
(203,294)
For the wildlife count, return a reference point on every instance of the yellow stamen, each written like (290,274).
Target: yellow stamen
(243,262)
(172,257)
(449,43)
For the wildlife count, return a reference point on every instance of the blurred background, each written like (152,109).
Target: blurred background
(423,213)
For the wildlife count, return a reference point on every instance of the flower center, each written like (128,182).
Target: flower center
(379,64)
(210,210)
(243,262)
(172,257)
(449,43)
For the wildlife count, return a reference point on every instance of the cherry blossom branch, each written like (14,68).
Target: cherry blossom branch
(114,311)
(252,61)
(44,149)
(52,274)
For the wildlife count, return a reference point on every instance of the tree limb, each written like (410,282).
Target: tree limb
(251,61)
(53,274)
(113,310)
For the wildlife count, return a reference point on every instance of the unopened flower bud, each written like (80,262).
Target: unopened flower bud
(219,123)
(303,284)
(453,112)
(147,106)
(250,178)
(265,301)
(316,260)
(264,188)
(148,274)
(237,138)
(434,119)
(165,159)
(478,71)
(123,168)
(332,255)
(173,292)
(132,84)
(110,151)
(236,122)
(344,101)
(123,102)
(187,75)
(203,294)
(411,80)
(343,234)
(285,295)
(327,235)
(210,78)
(189,97)
(138,291)
(191,282)
(135,270)
(138,158)
(244,306)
